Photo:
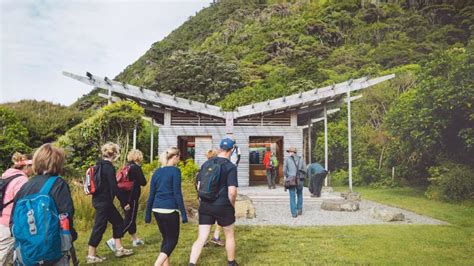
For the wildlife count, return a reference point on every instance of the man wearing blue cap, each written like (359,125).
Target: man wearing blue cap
(217,190)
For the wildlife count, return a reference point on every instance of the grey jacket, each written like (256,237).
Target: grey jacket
(290,168)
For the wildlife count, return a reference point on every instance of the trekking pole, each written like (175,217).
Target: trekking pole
(74,259)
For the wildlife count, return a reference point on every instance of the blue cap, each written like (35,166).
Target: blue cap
(227,144)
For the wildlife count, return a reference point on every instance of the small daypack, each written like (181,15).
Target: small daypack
(209,178)
(123,179)
(3,189)
(36,227)
(91,181)
(273,161)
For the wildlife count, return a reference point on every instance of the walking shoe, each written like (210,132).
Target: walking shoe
(232,263)
(300,212)
(294,216)
(123,252)
(111,244)
(138,242)
(94,259)
(217,241)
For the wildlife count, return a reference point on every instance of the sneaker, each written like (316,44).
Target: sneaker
(123,252)
(232,263)
(138,242)
(94,259)
(300,212)
(111,244)
(294,216)
(217,241)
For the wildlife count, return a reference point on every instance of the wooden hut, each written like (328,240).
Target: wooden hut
(196,127)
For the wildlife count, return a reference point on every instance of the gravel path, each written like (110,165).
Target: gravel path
(272,207)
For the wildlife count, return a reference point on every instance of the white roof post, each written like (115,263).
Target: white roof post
(349,133)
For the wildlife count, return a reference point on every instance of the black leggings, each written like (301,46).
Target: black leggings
(104,214)
(168,223)
(130,219)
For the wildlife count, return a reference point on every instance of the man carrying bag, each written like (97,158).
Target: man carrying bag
(294,173)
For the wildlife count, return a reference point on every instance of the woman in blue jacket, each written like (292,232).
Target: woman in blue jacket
(166,201)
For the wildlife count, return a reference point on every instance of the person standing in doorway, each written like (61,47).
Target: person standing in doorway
(268,162)
(316,174)
(217,201)
(294,167)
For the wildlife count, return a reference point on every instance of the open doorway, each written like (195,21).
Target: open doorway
(187,147)
(257,148)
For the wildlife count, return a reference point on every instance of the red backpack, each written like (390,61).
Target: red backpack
(123,179)
(92,180)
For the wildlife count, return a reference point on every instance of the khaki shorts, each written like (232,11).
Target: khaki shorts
(7,243)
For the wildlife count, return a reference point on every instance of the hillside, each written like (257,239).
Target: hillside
(249,51)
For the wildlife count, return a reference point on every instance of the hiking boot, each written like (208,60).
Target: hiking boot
(138,242)
(123,252)
(94,259)
(111,244)
(300,212)
(217,241)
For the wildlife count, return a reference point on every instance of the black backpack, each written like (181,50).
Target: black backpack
(3,188)
(209,178)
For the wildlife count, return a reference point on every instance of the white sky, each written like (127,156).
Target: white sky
(42,38)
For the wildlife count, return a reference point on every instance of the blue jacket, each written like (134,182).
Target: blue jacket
(165,192)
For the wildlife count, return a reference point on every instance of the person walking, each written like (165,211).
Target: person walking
(48,164)
(105,211)
(129,197)
(218,193)
(10,183)
(268,162)
(166,201)
(316,174)
(216,239)
(236,154)
(294,168)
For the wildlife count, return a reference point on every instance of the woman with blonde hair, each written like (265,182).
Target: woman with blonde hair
(129,197)
(165,201)
(48,164)
(11,182)
(105,211)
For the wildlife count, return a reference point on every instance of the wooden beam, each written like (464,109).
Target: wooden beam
(148,95)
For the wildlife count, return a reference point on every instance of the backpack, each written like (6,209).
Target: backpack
(273,161)
(92,180)
(36,227)
(123,179)
(3,189)
(209,178)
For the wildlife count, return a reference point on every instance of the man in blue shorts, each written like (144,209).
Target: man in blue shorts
(220,209)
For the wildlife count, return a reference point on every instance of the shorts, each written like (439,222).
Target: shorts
(223,214)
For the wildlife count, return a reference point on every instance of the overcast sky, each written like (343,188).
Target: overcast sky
(42,38)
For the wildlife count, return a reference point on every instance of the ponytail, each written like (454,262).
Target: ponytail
(167,155)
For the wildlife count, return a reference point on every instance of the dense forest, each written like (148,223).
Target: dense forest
(237,52)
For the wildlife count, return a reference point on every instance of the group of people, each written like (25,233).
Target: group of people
(216,185)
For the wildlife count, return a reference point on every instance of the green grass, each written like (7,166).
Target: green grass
(375,244)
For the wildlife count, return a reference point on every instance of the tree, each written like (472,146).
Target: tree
(13,137)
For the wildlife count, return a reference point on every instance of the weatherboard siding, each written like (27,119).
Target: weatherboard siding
(292,136)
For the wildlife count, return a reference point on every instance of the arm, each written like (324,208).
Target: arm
(140,177)
(232,195)
(285,168)
(238,156)
(64,203)
(151,198)
(178,195)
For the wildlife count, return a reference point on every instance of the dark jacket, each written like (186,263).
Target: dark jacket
(60,193)
(165,192)
(105,194)
(136,175)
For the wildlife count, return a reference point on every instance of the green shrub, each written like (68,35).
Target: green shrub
(387,183)
(451,182)
(189,169)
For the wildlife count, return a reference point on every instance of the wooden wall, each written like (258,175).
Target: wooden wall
(292,136)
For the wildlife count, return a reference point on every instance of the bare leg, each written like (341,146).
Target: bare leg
(217,231)
(162,259)
(204,231)
(92,251)
(167,262)
(229,242)
(135,237)
(118,243)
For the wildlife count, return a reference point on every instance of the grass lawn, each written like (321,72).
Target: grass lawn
(372,244)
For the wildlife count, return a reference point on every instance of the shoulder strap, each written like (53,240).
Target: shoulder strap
(48,185)
(12,177)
